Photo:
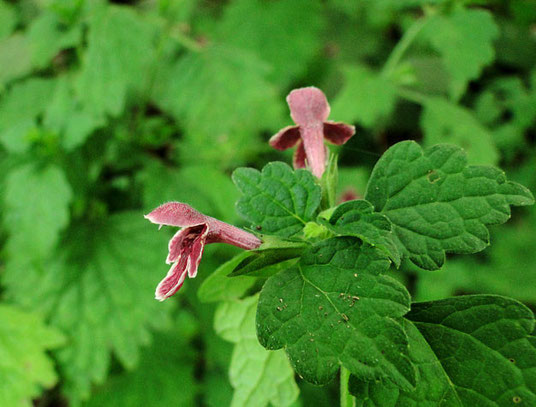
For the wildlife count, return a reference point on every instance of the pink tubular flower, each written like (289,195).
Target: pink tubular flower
(309,109)
(186,247)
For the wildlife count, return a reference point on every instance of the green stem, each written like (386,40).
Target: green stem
(329,183)
(413,96)
(187,42)
(402,46)
(347,400)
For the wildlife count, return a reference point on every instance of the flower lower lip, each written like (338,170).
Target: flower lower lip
(187,245)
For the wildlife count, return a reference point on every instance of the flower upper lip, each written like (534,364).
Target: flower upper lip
(310,109)
(187,245)
(176,214)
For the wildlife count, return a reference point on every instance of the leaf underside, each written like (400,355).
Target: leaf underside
(219,287)
(259,377)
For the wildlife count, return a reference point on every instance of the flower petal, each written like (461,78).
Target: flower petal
(176,214)
(308,106)
(173,280)
(315,151)
(185,250)
(299,157)
(285,138)
(197,248)
(182,241)
(338,133)
(175,245)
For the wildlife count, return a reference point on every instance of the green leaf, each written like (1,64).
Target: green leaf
(219,125)
(167,362)
(277,200)
(273,255)
(464,39)
(506,270)
(19,110)
(470,351)
(365,98)
(264,263)
(336,308)
(217,391)
(437,203)
(98,289)
(15,58)
(218,286)
(387,5)
(47,37)
(484,345)
(44,38)
(177,11)
(357,218)
(8,19)
(119,55)
(433,385)
(508,97)
(444,122)
(259,377)
(262,27)
(315,231)
(69,119)
(35,210)
(25,368)
(509,108)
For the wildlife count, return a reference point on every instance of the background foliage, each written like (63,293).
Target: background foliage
(108,109)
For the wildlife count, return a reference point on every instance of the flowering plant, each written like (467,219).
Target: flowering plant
(109,109)
(329,275)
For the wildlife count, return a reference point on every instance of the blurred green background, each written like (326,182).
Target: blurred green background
(108,109)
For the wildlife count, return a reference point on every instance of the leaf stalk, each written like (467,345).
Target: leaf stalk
(347,400)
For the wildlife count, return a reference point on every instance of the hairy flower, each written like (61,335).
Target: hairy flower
(187,245)
(309,109)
